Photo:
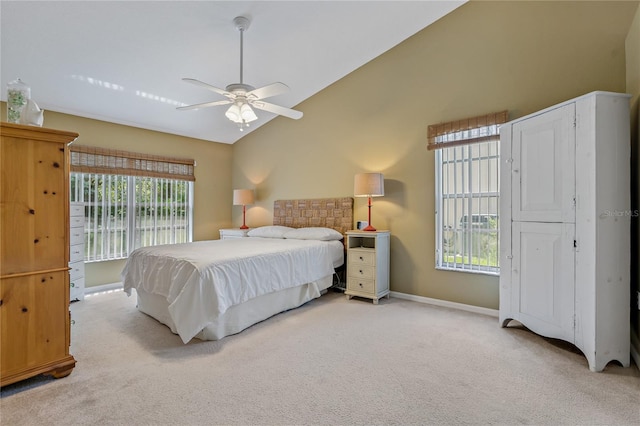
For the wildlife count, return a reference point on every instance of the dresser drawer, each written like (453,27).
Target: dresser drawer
(76,210)
(77,284)
(361,271)
(76,236)
(361,285)
(76,271)
(76,253)
(361,257)
(76,222)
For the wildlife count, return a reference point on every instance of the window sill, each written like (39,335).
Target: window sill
(469,271)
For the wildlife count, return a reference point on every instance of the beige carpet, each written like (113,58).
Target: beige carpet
(332,361)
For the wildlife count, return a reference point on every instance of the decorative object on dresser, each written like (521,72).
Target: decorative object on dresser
(368,264)
(243,197)
(34,255)
(231,233)
(76,256)
(368,185)
(21,109)
(565,210)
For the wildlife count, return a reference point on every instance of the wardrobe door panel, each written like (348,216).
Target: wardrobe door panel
(543,170)
(543,277)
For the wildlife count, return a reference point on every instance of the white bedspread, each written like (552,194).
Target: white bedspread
(201,280)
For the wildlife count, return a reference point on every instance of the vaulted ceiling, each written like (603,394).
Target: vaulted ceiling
(123,61)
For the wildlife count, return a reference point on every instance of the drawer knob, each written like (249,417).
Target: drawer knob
(361,258)
(360,284)
(361,271)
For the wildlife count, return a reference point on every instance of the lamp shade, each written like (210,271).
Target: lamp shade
(368,185)
(242,197)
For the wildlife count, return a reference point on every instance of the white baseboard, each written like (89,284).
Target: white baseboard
(103,288)
(446,304)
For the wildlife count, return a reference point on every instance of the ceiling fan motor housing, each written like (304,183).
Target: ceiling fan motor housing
(239,88)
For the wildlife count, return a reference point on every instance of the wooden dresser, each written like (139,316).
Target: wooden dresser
(34,253)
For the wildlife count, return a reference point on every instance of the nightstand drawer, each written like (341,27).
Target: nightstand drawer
(361,272)
(361,285)
(362,257)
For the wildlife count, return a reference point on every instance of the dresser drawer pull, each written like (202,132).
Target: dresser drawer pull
(361,258)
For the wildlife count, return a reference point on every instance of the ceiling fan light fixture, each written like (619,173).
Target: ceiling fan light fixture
(233,114)
(247,114)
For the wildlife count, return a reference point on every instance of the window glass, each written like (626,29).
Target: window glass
(123,213)
(467,199)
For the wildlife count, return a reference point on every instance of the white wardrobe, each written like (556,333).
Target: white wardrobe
(565,225)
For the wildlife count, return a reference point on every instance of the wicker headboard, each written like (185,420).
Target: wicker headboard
(336,213)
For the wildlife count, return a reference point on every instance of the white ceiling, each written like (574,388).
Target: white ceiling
(122,61)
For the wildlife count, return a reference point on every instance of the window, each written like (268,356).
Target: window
(124,208)
(467,193)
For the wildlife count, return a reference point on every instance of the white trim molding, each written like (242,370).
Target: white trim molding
(104,288)
(446,304)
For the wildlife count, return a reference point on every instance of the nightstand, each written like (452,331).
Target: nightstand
(368,264)
(228,234)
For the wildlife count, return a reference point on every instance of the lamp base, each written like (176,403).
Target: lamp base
(369,228)
(244,227)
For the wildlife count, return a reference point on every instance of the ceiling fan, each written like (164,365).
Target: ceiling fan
(243,96)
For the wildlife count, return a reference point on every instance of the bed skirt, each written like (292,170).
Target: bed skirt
(238,317)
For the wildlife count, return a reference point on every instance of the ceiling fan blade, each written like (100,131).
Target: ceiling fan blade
(276,109)
(207,86)
(205,104)
(269,90)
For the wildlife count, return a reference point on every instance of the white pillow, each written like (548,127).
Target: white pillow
(273,231)
(317,233)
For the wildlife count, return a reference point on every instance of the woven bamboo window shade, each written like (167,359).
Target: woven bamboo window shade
(88,159)
(483,128)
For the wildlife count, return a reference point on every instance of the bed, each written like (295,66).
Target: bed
(211,289)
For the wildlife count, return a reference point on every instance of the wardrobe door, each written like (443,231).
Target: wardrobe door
(543,169)
(543,277)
